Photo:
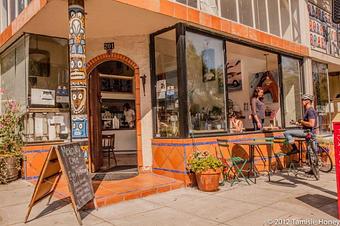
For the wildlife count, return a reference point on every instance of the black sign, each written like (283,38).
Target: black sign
(109,46)
(73,161)
(336,11)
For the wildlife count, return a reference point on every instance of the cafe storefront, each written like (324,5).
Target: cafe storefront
(182,82)
(203,79)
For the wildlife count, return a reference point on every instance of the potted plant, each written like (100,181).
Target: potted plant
(11,141)
(207,169)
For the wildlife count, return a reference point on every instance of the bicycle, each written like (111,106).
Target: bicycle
(311,154)
(325,161)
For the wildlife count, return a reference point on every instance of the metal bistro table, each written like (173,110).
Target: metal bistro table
(252,144)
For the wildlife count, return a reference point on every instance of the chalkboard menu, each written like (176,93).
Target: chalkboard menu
(75,169)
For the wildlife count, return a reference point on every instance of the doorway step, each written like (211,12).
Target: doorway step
(111,192)
(115,173)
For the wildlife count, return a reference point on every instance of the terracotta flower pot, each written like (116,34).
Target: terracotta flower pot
(9,171)
(208,180)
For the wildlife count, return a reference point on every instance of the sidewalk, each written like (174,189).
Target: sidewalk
(287,198)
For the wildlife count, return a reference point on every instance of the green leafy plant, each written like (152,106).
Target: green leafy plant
(202,161)
(11,129)
(11,136)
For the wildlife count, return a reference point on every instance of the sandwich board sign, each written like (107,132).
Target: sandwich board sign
(67,159)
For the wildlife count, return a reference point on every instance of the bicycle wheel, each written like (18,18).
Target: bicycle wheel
(313,160)
(325,161)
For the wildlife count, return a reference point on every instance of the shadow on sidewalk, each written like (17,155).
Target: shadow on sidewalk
(302,181)
(59,204)
(319,201)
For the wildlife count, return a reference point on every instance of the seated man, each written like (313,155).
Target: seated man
(309,122)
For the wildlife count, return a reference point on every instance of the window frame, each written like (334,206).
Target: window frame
(253,20)
(181,28)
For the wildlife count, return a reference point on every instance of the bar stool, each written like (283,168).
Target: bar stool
(108,146)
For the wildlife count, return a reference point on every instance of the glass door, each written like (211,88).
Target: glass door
(292,89)
(321,95)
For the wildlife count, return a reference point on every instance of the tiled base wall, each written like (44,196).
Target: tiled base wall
(170,156)
(35,157)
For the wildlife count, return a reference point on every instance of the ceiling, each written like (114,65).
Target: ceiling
(104,18)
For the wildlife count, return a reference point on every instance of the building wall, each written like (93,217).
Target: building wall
(137,49)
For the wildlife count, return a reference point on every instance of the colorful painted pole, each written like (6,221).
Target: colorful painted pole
(78,78)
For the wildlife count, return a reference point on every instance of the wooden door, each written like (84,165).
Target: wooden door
(95,127)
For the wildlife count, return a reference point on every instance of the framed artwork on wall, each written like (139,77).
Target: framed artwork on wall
(234,75)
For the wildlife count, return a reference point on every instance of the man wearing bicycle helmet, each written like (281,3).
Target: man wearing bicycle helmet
(309,122)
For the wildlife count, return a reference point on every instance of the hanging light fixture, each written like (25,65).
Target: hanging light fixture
(39,61)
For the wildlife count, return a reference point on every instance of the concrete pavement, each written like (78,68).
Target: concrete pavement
(287,200)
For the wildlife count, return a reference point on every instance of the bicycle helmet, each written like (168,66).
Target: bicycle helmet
(307,97)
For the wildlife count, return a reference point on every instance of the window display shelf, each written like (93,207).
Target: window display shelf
(47,110)
(32,143)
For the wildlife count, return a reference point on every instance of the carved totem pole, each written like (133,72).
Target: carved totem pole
(78,78)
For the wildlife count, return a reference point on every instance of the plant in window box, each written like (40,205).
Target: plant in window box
(11,141)
(207,169)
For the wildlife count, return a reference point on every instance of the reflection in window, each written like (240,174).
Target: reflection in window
(273,11)
(12,10)
(286,26)
(4,14)
(167,103)
(192,3)
(205,78)
(14,71)
(260,15)
(248,68)
(291,72)
(229,9)
(48,69)
(296,20)
(246,12)
(320,84)
(21,6)
(209,6)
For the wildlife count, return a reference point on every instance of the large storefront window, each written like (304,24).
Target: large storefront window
(48,117)
(204,84)
(249,68)
(14,73)
(167,102)
(34,72)
(321,97)
(291,72)
(205,80)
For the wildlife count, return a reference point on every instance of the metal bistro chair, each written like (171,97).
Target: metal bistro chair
(236,166)
(108,146)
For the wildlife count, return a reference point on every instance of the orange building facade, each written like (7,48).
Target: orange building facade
(182,68)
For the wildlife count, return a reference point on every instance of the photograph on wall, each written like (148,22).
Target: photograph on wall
(208,64)
(161,88)
(234,75)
